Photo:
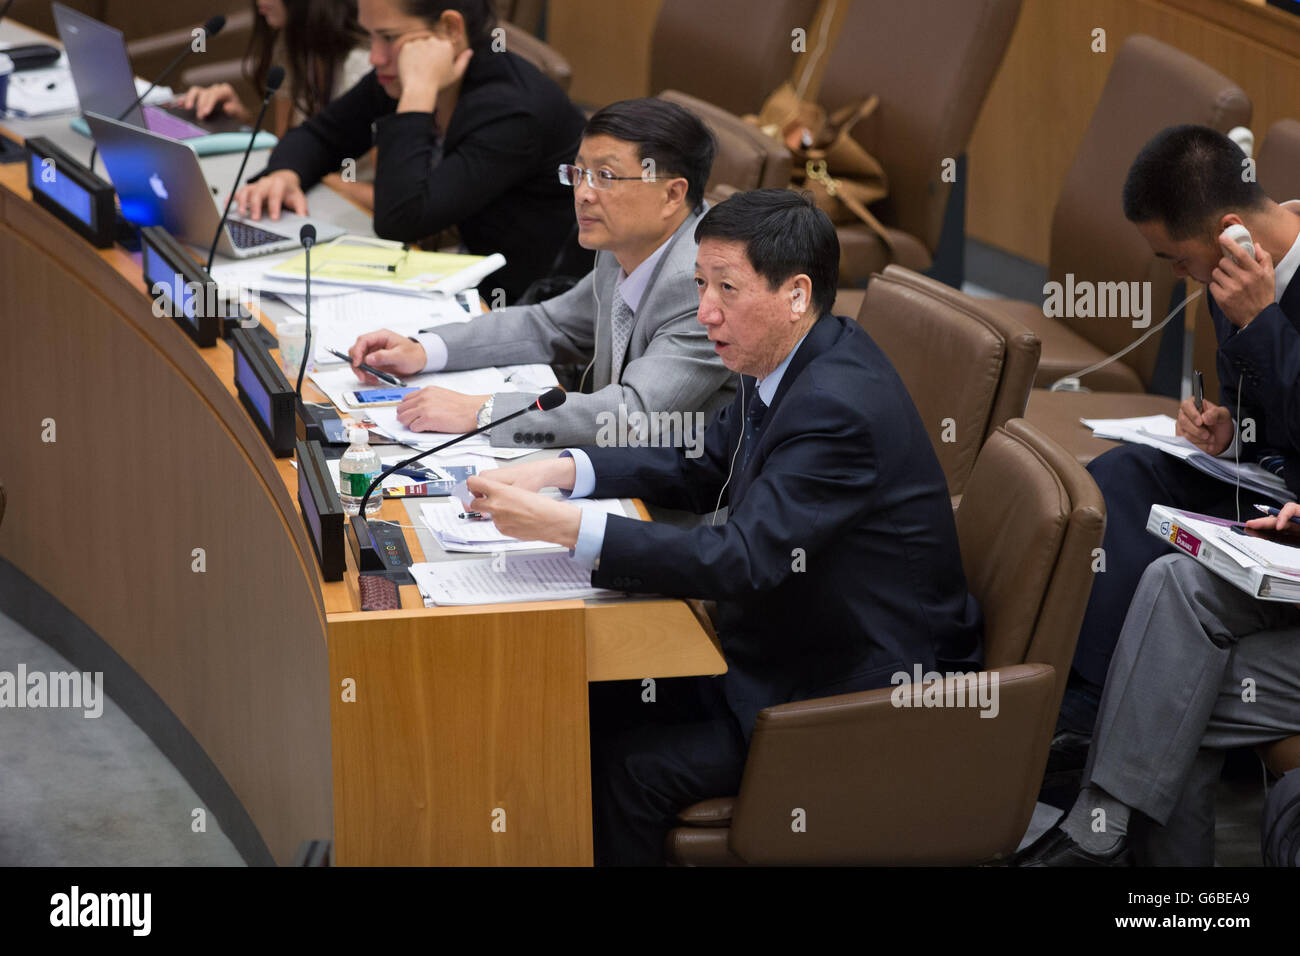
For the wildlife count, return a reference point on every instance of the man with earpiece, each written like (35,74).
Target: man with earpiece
(837,565)
(638,192)
(1187,193)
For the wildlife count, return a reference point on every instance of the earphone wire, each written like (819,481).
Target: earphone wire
(718,504)
(595,342)
(1236,440)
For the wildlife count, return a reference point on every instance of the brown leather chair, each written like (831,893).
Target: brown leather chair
(968,371)
(524,14)
(732,53)
(1277,165)
(1150,86)
(1059,414)
(931,62)
(155,34)
(746,159)
(881,784)
(545,58)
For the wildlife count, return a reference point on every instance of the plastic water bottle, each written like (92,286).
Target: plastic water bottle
(358,467)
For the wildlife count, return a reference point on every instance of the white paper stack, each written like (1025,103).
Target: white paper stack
(472,535)
(1160,431)
(533,577)
(1268,570)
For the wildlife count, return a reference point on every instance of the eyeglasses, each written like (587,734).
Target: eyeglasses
(597,178)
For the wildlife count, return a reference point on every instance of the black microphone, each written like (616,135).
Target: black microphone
(552,398)
(211,28)
(307,236)
(274,77)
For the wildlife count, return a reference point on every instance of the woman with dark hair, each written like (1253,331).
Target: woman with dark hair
(319,43)
(467,134)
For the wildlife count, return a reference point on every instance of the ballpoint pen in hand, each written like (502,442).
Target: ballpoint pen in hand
(1274,512)
(386,377)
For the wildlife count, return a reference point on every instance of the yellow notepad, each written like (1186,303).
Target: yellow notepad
(382,264)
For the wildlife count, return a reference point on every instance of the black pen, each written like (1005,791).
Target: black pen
(384,377)
(1274,512)
(1198,389)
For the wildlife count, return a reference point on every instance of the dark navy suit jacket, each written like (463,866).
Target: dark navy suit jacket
(1263,360)
(838,563)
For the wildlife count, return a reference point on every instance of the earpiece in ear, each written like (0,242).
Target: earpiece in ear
(796,301)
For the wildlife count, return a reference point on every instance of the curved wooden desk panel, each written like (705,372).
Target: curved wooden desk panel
(464,735)
(154,458)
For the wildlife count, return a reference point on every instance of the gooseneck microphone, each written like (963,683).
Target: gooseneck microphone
(211,28)
(548,400)
(274,77)
(307,236)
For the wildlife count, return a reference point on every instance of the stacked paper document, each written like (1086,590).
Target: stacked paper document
(532,577)
(1160,431)
(1263,568)
(338,380)
(475,535)
(369,263)
(481,536)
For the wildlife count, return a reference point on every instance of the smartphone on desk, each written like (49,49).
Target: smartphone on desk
(375,397)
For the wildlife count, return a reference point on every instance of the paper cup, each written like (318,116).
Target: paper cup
(6,69)
(292,337)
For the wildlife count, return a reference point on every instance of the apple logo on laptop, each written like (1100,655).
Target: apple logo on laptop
(155,181)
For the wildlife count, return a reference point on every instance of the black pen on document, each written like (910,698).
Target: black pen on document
(384,377)
(473,516)
(1198,389)
(1273,512)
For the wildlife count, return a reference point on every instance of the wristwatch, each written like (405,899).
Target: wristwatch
(484,416)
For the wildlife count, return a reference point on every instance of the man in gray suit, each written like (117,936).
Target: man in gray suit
(638,187)
(1200,667)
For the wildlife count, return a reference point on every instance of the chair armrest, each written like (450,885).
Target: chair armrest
(150,54)
(884,784)
(218,71)
(747,158)
(541,55)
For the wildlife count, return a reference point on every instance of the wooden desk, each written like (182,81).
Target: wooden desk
(466,741)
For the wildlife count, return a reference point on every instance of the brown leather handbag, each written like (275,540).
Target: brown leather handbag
(842,177)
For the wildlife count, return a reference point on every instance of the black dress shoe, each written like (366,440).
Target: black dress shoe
(1057,848)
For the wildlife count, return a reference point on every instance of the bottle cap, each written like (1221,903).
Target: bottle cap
(359,436)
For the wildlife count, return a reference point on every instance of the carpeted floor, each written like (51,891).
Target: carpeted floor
(80,791)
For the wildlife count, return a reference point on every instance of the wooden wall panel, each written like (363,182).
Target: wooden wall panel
(607,44)
(1050,81)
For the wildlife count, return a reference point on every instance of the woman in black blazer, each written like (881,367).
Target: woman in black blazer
(466,134)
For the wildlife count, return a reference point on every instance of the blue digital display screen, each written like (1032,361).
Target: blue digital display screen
(252,388)
(46,178)
(158,272)
(308,504)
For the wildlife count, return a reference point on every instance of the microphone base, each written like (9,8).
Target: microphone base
(363,546)
(321,424)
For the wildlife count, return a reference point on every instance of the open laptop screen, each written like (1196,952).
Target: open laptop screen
(100,69)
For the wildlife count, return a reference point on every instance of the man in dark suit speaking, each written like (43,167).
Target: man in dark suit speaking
(837,566)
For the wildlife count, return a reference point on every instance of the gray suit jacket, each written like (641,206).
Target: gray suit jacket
(670,364)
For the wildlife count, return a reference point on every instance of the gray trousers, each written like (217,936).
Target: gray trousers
(1200,667)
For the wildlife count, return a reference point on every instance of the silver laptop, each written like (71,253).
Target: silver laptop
(101,72)
(159,183)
